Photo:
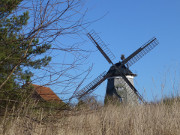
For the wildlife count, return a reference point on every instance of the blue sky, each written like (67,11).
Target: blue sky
(125,25)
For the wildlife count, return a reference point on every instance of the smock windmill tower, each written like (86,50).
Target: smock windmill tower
(120,86)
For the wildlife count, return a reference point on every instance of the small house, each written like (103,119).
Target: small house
(45,93)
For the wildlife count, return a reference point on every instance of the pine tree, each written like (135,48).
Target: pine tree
(17,51)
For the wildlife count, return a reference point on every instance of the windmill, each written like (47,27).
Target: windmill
(120,79)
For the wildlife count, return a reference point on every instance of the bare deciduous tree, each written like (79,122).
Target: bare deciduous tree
(52,22)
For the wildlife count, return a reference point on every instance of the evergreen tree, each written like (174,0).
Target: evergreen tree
(17,51)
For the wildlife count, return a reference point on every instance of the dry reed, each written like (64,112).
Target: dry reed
(152,119)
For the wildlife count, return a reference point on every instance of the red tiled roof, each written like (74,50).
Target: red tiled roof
(46,93)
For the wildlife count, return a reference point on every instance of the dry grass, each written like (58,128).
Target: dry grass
(157,119)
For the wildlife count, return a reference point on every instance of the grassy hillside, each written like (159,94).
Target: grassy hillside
(151,119)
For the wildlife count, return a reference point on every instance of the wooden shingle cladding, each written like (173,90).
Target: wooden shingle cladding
(44,93)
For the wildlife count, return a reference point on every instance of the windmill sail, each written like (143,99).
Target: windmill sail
(91,86)
(109,56)
(133,88)
(139,53)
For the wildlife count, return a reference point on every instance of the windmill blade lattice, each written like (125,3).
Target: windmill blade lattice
(102,47)
(139,53)
(91,86)
(133,88)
